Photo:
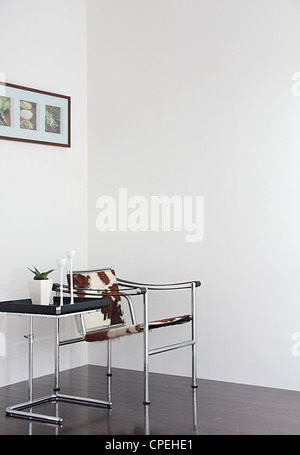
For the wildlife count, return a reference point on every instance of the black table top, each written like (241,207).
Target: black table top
(25,306)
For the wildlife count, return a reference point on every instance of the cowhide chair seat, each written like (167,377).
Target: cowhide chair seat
(109,323)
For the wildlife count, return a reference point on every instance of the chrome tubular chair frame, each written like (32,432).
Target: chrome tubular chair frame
(192,342)
(127,290)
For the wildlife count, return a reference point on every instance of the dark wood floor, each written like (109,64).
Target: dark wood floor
(215,408)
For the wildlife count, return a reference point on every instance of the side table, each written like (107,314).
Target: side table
(26,308)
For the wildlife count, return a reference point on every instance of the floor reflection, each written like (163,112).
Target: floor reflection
(194,429)
(166,414)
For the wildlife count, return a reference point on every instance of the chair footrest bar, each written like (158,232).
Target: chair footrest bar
(171,347)
(18,410)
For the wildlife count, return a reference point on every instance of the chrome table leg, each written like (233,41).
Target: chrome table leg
(19,410)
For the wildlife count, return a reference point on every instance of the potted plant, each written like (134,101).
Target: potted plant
(40,287)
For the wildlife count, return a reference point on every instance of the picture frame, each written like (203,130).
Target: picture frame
(36,116)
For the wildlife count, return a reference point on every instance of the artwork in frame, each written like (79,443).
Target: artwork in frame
(5,108)
(31,115)
(28,115)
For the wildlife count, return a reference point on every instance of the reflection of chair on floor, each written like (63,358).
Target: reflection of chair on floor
(195,430)
(109,323)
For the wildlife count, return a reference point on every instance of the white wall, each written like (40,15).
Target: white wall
(194,98)
(43,188)
(184,97)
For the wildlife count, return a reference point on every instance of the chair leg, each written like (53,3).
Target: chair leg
(146,384)
(194,368)
(146,350)
(194,350)
(108,370)
(109,394)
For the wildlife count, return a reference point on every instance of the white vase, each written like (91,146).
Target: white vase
(40,291)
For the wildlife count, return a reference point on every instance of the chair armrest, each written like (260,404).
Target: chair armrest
(130,290)
(161,287)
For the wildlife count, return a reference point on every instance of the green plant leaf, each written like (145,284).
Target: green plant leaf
(40,275)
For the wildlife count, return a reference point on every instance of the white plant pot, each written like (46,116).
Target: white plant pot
(40,291)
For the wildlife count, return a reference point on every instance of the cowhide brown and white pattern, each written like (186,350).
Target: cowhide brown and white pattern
(132,329)
(99,325)
(92,284)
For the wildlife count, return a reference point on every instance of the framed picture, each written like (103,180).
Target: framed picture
(31,115)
